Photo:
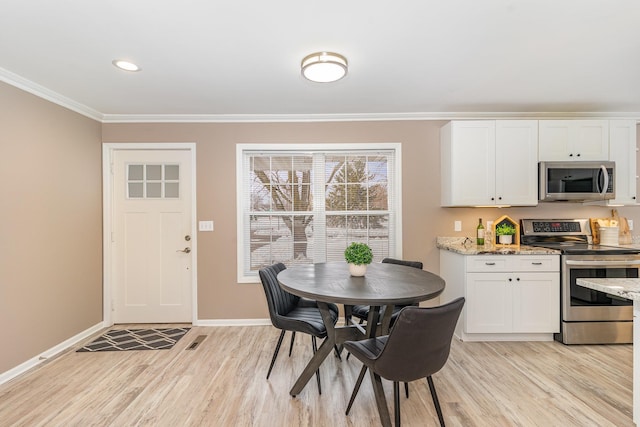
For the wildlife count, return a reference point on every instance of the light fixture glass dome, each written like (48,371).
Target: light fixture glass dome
(324,67)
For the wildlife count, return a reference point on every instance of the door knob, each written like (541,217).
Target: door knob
(185,250)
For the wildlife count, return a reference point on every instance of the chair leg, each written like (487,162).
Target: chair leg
(293,337)
(315,348)
(406,389)
(337,350)
(436,403)
(396,401)
(275,353)
(356,387)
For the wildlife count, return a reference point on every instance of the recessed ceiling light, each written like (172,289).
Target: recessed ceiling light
(324,67)
(125,65)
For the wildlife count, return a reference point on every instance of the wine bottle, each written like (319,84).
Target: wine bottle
(480,233)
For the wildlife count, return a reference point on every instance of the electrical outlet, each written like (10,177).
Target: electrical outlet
(630,222)
(457,226)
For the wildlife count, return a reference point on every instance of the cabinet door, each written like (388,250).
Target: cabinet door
(468,166)
(554,140)
(536,302)
(591,140)
(517,162)
(622,150)
(488,305)
(568,140)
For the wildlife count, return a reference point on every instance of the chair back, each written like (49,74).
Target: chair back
(414,264)
(419,344)
(279,301)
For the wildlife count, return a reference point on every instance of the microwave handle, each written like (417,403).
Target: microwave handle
(605,187)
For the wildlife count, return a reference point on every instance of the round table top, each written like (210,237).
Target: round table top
(381,285)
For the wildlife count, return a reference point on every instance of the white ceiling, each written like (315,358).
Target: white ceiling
(240,60)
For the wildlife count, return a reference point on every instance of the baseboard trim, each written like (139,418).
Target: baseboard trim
(47,354)
(232,322)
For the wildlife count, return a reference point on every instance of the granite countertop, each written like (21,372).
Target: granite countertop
(626,288)
(466,246)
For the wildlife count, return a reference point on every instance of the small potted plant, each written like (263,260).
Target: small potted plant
(358,255)
(505,232)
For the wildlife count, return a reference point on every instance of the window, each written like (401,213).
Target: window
(300,204)
(153,181)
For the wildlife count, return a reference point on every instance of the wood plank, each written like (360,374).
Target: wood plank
(222,382)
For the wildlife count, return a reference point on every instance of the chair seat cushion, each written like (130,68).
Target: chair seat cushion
(307,320)
(369,348)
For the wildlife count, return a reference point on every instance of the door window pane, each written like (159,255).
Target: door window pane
(153,181)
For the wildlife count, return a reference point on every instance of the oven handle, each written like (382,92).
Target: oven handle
(605,263)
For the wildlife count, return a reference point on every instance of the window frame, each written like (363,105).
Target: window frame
(242,201)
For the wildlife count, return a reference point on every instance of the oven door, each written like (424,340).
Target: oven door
(583,304)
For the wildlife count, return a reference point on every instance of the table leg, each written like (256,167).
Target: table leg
(348,312)
(386,319)
(321,354)
(372,321)
(334,336)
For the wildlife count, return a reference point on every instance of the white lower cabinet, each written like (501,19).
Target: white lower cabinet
(510,297)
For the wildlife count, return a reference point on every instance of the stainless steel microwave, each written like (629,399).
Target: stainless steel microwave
(576,181)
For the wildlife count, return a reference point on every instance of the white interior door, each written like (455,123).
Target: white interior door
(151,240)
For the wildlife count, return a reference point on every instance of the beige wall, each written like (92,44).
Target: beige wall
(51,236)
(51,225)
(219,295)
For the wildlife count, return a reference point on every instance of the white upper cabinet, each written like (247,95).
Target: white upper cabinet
(516,162)
(573,140)
(489,162)
(622,150)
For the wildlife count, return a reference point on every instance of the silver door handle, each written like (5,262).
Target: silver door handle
(185,250)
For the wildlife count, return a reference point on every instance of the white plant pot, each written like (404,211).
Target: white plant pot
(357,270)
(506,239)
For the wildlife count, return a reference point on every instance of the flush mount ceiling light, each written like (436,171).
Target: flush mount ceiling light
(324,67)
(125,65)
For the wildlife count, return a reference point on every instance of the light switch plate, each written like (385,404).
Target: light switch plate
(457,226)
(205,226)
(630,222)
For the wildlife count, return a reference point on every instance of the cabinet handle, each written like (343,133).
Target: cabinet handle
(578,154)
(536,263)
(489,263)
(518,279)
(571,155)
(510,279)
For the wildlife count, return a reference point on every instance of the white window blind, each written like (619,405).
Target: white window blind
(302,205)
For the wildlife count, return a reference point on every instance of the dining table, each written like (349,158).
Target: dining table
(383,286)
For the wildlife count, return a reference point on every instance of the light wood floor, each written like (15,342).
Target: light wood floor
(222,383)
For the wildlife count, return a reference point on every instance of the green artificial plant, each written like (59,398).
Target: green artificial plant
(505,229)
(358,253)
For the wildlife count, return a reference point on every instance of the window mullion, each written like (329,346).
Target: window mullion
(319,208)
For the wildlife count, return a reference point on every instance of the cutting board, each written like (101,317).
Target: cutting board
(625,234)
(615,219)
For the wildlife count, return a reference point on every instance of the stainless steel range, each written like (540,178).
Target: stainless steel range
(587,316)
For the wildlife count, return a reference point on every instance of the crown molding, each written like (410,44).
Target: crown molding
(56,98)
(360,117)
(49,95)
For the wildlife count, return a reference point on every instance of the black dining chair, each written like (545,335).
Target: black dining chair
(362,311)
(289,312)
(418,346)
